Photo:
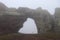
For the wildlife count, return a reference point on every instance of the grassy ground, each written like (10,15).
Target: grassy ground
(17,36)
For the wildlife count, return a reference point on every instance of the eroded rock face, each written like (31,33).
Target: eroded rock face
(43,21)
(3,7)
(42,18)
(57,20)
(12,19)
(11,23)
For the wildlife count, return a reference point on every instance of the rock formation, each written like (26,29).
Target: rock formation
(42,18)
(11,23)
(2,7)
(57,20)
(11,20)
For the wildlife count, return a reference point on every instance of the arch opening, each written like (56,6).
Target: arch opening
(29,27)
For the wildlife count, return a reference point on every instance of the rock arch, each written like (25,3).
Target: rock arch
(42,18)
(11,22)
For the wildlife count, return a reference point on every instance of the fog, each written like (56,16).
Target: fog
(50,5)
(29,27)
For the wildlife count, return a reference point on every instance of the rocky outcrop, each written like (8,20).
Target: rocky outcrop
(43,21)
(2,7)
(11,20)
(42,18)
(11,23)
(57,20)
(11,9)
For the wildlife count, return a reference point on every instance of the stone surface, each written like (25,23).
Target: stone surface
(12,19)
(42,18)
(57,19)
(11,23)
(2,7)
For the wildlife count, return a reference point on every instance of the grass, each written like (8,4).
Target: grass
(17,36)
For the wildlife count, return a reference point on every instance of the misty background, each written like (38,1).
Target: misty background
(29,26)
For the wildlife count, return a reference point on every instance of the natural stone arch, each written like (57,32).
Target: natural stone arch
(42,18)
(13,22)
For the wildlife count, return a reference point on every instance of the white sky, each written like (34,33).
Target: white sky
(29,27)
(50,5)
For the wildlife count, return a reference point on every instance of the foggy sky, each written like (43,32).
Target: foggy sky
(50,5)
(29,27)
